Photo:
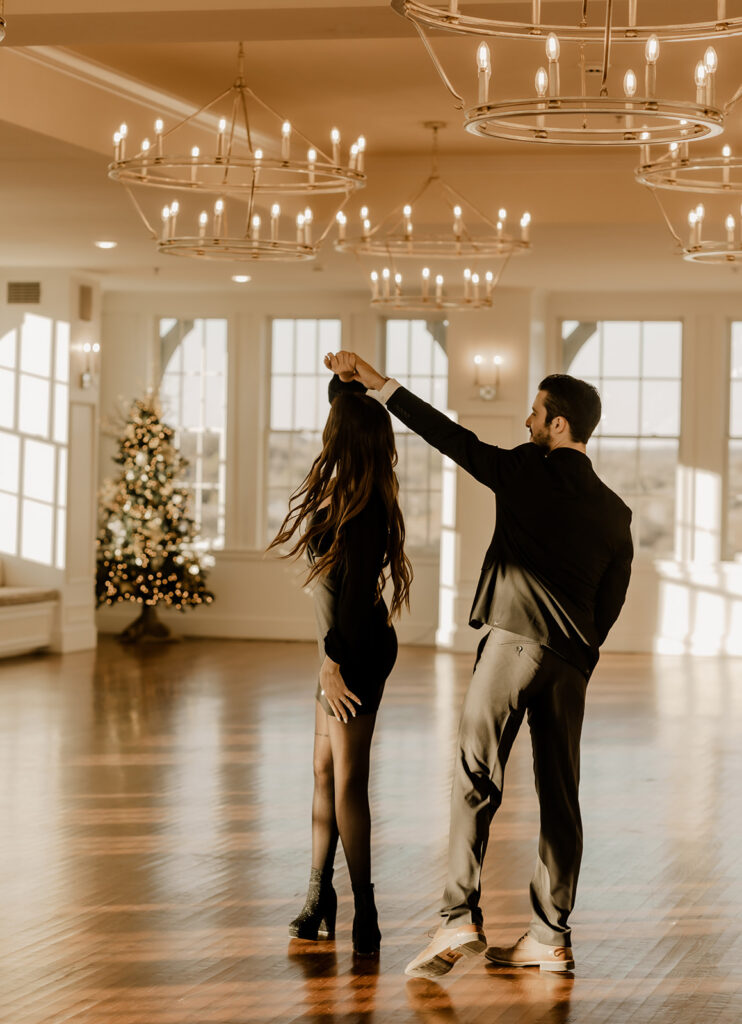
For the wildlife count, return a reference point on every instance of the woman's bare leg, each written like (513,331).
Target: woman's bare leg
(324,824)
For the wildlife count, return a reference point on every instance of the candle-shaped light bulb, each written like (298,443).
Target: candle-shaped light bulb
(308,218)
(255,233)
(651,53)
(692,222)
(552,54)
(700,211)
(300,228)
(195,153)
(365,228)
(222,125)
(502,214)
(478,360)
(361,143)
(552,47)
(145,146)
(726,152)
(629,83)
(484,70)
(374,285)
(652,49)
(542,82)
(438,287)
(335,139)
(352,163)
(341,220)
(218,217)
(174,207)
(159,128)
(312,161)
(700,76)
(117,146)
(710,60)
(364,212)
(123,132)
(457,224)
(467,284)
(730,226)
(285,140)
(489,278)
(407,210)
(220,138)
(397,284)
(203,220)
(525,223)
(497,360)
(426,281)
(475,286)
(385,277)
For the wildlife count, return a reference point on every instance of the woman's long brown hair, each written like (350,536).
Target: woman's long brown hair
(358,454)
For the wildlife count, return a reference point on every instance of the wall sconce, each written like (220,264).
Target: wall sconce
(487,376)
(90,363)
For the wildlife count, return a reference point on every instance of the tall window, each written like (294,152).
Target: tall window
(193,391)
(415,354)
(637,368)
(298,406)
(34,412)
(734,475)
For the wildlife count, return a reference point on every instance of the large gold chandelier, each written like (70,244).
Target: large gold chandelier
(238,190)
(578,116)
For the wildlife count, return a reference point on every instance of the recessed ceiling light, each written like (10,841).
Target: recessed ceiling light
(240,278)
(106,245)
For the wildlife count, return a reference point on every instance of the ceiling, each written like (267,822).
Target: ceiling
(72,70)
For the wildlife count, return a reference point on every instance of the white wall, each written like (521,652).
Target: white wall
(690,603)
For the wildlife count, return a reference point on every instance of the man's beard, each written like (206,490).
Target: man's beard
(541,439)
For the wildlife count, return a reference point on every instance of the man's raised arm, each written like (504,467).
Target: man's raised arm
(485,462)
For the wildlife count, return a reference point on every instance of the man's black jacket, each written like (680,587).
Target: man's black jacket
(559,562)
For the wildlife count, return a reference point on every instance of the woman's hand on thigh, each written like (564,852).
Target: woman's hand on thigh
(337,694)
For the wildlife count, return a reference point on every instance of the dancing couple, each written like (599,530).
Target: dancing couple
(552,584)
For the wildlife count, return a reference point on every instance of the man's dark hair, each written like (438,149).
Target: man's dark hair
(575,400)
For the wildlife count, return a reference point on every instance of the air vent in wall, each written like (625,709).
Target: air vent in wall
(25,293)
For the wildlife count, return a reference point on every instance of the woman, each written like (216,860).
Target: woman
(346,518)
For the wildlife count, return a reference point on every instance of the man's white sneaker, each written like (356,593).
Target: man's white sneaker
(447,946)
(528,952)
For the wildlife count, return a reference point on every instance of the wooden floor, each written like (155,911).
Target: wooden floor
(155,811)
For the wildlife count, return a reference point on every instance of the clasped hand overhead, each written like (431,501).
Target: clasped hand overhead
(349,366)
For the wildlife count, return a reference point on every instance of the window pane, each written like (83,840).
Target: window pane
(620,348)
(330,339)
(62,352)
(7,398)
(279,459)
(662,349)
(306,346)
(192,348)
(422,387)
(282,360)
(656,524)
(617,465)
(620,407)
(33,406)
(10,452)
(658,462)
(216,401)
(421,349)
(735,418)
(210,457)
(305,449)
(440,361)
(167,323)
(7,350)
(281,403)
(37,524)
(62,477)
(397,358)
(323,402)
(305,398)
(734,522)
(661,408)
(36,344)
(8,524)
(209,513)
(216,346)
(440,394)
(170,397)
(38,470)
(190,414)
(60,413)
(586,361)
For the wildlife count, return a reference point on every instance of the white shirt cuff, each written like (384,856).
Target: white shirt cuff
(388,389)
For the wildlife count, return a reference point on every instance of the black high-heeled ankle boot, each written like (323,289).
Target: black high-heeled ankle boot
(366,934)
(317,918)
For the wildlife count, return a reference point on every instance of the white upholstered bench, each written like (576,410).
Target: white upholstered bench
(26,617)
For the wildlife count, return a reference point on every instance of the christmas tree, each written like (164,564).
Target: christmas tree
(146,551)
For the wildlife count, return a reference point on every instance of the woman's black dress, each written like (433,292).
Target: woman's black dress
(352,627)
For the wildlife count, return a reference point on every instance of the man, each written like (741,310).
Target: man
(552,584)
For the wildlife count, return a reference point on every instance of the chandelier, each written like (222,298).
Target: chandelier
(610,118)
(449,17)
(470,232)
(243,190)
(679,170)
(434,292)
